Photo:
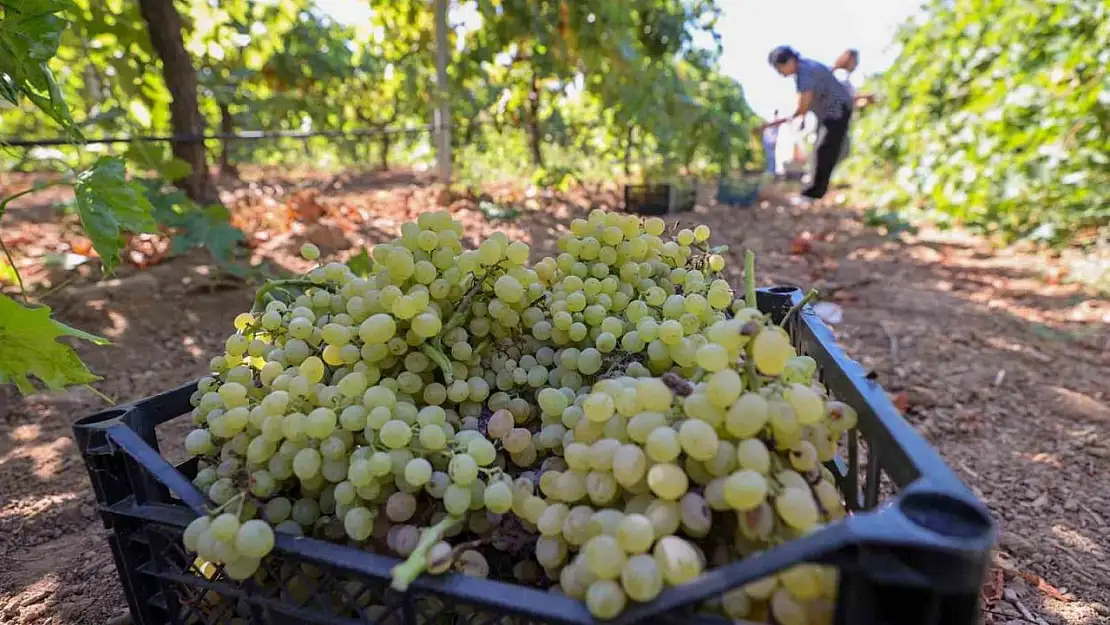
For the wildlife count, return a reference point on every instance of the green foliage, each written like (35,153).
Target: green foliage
(31,349)
(30,33)
(110,206)
(997,115)
(192,225)
(593,85)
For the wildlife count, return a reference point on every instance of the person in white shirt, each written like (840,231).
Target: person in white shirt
(847,63)
(770,141)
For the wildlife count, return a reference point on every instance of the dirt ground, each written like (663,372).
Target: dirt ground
(994,359)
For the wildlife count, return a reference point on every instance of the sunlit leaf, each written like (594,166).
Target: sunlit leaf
(110,206)
(31,349)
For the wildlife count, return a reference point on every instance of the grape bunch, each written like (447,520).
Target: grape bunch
(615,418)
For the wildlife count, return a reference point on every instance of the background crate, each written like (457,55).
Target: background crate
(658,199)
(739,191)
(914,552)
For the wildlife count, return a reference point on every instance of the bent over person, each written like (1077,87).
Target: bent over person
(820,92)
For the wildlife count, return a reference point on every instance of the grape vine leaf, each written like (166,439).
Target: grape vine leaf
(31,348)
(109,206)
(360,264)
(30,33)
(192,225)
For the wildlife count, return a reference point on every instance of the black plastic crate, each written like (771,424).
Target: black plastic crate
(914,551)
(658,199)
(739,192)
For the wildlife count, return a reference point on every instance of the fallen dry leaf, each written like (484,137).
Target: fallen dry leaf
(992,587)
(80,245)
(802,244)
(1044,586)
(901,401)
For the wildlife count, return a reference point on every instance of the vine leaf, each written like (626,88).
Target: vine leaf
(30,33)
(31,348)
(360,263)
(109,206)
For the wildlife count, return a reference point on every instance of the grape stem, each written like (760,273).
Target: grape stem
(220,508)
(809,297)
(406,572)
(441,360)
(754,383)
(260,298)
(749,279)
(459,315)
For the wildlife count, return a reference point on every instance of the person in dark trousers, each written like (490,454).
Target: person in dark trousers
(770,142)
(821,93)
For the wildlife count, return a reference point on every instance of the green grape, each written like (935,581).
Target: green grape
(254,539)
(551,401)
(196,528)
(771,349)
(224,526)
(677,559)
(601,487)
(797,508)
(752,454)
(456,499)
(310,251)
(662,445)
(601,454)
(306,464)
(787,611)
(498,497)
(199,443)
(802,581)
(395,434)
(667,481)
(745,490)
(803,456)
(418,471)
(829,499)
(628,465)
(806,404)
(785,428)
(724,387)
(432,437)
(641,578)
(320,423)
(712,357)
(747,416)
(604,557)
(312,368)
(377,329)
(698,439)
(335,334)
(358,523)
(605,599)
(640,426)
(598,407)
(670,332)
(635,533)
(463,469)
(482,451)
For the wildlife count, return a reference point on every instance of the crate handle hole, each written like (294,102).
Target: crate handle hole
(783,290)
(945,515)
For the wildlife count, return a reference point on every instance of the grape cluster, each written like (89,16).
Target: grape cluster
(616,411)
